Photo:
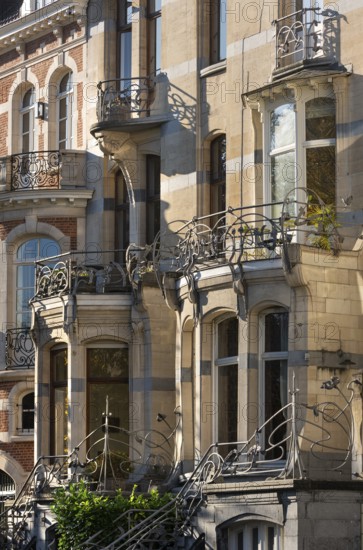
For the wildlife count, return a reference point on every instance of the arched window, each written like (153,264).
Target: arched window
(65,100)
(27,253)
(7,489)
(27,121)
(218,174)
(226,379)
(274,377)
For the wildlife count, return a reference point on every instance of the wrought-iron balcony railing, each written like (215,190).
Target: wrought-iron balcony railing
(35,170)
(132,99)
(308,35)
(43,170)
(62,275)
(19,349)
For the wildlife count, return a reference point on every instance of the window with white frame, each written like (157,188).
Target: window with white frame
(26,413)
(300,135)
(226,380)
(255,536)
(274,380)
(65,112)
(26,254)
(27,121)
(125,41)
(154,45)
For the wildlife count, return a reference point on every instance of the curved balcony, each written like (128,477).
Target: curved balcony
(306,38)
(132,104)
(19,349)
(69,275)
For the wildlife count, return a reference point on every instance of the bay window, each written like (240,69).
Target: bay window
(300,138)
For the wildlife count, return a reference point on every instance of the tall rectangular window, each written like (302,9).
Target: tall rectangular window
(125,42)
(59,402)
(226,381)
(218,30)
(274,381)
(154,16)
(122,218)
(152,197)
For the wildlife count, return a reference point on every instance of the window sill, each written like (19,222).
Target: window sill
(21,438)
(214,69)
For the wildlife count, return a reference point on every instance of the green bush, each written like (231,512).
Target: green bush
(81,513)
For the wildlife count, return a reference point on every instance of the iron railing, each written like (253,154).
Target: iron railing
(19,349)
(35,170)
(320,429)
(304,35)
(122,99)
(61,275)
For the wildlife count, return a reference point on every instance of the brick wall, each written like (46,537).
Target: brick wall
(6,84)
(77,54)
(71,30)
(40,70)
(33,48)
(9,59)
(66,224)
(22,452)
(3,134)
(80,118)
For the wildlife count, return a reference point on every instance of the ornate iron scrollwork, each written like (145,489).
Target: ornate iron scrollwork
(19,349)
(35,170)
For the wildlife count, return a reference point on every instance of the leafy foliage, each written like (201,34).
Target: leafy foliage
(81,513)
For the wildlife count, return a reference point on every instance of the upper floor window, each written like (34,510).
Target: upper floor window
(218,174)
(301,149)
(218,30)
(27,253)
(65,100)
(152,197)
(125,40)
(154,16)
(27,121)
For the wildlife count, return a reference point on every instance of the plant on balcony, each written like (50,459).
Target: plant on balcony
(324,221)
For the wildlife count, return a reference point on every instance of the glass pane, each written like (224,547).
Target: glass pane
(275,399)
(270,538)
(222,29)
(26,276)
(118,402)
(65,84)
(26,119)
(255,538)
(28,251)
(283,126)
(276,331)
(320,172)
(22,299)
(48,247)
(28,99)
(320,118)
(28,401)
(158,45)
(227,404)
(60,364)
(125,57)
(228,338)
(218,159)
(59,427)
(283,176)
(240,541)
(63,108)
(108,363)
(23,319)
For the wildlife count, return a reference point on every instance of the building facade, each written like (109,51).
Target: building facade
(184,175)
